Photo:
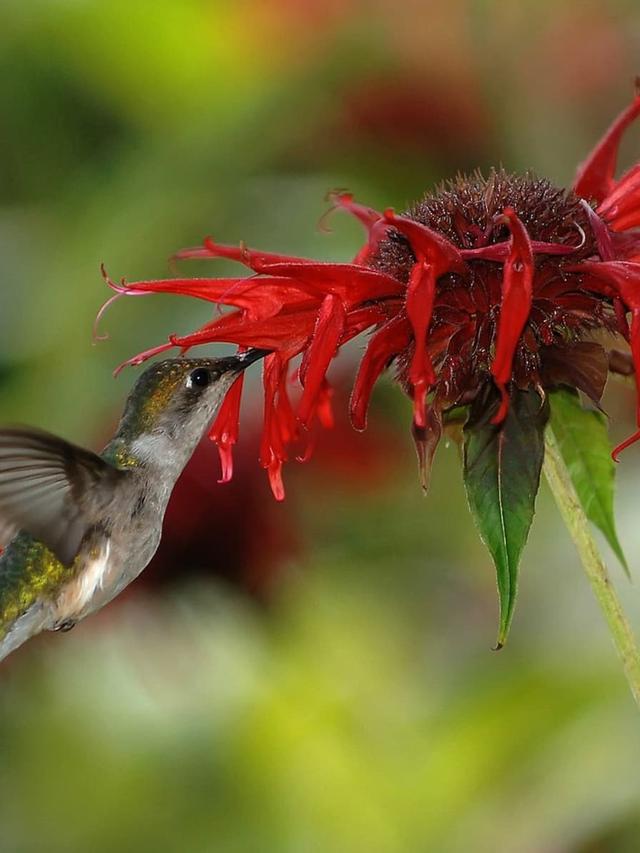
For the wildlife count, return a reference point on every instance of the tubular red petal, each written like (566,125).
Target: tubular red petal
(224,431)
(274,472)
(280,426)
(634,340)
(324,407)
(624,279)
(252,258)
(420,298)
(627,187)
(499,251)
(515,307)
(627,219)
(285,332)
(595,177)
(353,283)
(143,356)
(322,349)
(427,244)
(386,343)
(344,201)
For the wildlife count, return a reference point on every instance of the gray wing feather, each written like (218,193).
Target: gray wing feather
(43,480)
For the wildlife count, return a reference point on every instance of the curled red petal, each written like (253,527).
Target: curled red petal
(224,431)
(322,349)
(386,343)
(515,307)
(595,176)
(420,298)
(428,244)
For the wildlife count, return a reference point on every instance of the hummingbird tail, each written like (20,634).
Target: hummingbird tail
(34,620)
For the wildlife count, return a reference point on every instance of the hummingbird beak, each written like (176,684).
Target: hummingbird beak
(238,363)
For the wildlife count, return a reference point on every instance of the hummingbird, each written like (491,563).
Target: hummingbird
(83,525)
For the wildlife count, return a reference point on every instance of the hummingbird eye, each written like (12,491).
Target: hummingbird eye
(199,378)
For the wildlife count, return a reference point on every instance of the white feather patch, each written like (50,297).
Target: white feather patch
(78,592)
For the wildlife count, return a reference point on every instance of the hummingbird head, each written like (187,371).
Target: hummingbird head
(174,401)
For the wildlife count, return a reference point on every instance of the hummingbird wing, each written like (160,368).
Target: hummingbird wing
(43,480)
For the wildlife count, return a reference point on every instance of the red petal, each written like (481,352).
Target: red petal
(595,177)
(600,232)
(427,244)
(261,297)
(288,333)
(624,279)
(225,428)
(274,472)
(279,421)
(634,340)
(353,283)
(387,342)
(143,356)
(367,215)
(323,347)
(420,298)
(517,292)
(499,251)
(242,254)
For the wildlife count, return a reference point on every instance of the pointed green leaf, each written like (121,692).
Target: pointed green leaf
(584,445)
(502,475)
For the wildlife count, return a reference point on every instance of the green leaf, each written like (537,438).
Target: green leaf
(581,435)
(502,475)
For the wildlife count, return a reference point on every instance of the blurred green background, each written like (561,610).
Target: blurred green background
(316,675)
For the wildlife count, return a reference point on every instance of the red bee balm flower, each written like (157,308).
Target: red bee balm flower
(484,295)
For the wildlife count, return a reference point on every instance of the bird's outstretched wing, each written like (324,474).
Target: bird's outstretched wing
(44,483)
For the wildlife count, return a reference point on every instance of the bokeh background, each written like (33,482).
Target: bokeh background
(314,675)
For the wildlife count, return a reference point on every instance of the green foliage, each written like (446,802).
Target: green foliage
(584,445)
(501,474)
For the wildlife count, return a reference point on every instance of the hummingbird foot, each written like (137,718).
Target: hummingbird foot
(65,626)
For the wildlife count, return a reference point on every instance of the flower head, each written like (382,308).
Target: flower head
(500,281)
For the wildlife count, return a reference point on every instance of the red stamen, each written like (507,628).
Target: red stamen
(517,293)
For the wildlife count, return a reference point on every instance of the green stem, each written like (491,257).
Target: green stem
(578,525)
